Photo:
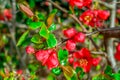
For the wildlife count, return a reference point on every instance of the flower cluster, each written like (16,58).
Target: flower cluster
(73,37)
(80,3)
(83,59)
(94,17)
(46,57)
(117,54)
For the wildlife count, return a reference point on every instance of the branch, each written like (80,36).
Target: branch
(110,41)
(105,4)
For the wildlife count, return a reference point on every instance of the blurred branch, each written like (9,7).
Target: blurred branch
(19,25)
(110,51)
(105,4)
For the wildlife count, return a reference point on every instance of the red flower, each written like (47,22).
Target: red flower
(1,17)
(30,50)
(70,45)
(118,47)
(48,58)
(69,32)
(87,17)
(80,3)
(42,56)
(95,61)
(117,56)
(103,14)
(6,13)
(70,60)
(79,37)
(19,72)
(94,17)
(52,61)
(85,60)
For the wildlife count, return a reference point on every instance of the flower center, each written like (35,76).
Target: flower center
(83,62)
(88,18)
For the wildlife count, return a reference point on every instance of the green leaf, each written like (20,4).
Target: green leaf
(116,76)
(101,77)
(56,71)
(52,27)
(32,3)
(22,38)
(50,77)
(54,11)
(26,42)
(108,70)
(35,25)
(63,56)
(44,31)
(51,41)
(41,16)
(36,39)
(80,72)
(32,67)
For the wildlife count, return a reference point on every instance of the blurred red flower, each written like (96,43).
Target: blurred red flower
(85,60)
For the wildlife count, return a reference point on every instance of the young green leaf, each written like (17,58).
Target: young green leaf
(63,56)
(108,70)
(35,25)
(36,39)
(32,3)
(101,77)
(50,77)
(80,72)
(56,71)
(44,31)
(22,38)
(52,27)
(41,16)
(116,76)
(51,41)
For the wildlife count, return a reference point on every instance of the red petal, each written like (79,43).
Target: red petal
(42,56)
(19,72)
(103,14)
(87,67)
(118,47)
(79,37)
(69,32)
(78,54)
(71,60)
(85,52)
(96,61)
(76,64)
(8,14)
(117,56)
(52,61)
(30,50)
(70,45)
